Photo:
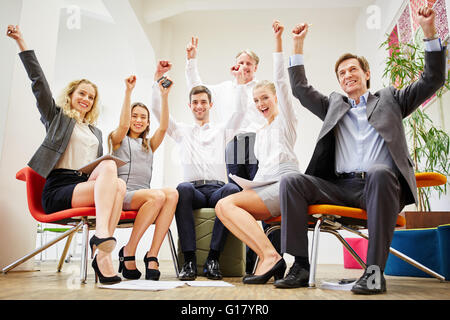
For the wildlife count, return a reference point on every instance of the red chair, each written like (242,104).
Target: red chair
(332,218)
(79,218)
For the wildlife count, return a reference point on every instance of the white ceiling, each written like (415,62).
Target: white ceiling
(155,10)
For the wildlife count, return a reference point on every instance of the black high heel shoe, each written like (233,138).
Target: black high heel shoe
(128,273)
(277,272)
(105,244)
(151,274)
(103,279)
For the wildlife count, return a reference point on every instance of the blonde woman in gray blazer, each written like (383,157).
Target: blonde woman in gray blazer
(72,141)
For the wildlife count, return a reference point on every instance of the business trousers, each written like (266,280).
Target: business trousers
(379,194)
(192,197)
(240,156)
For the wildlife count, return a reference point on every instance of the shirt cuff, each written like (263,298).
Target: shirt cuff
(296,60)
(433,45)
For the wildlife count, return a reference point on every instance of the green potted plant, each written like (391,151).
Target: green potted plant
(429,145)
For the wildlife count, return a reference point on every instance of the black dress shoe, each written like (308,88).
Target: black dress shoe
(368,284)
(296,277)
(188,271)
(277,272)
(211,270)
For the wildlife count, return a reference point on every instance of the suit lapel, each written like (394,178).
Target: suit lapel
(335,113)
(372,102)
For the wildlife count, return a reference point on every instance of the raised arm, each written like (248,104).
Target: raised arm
(434,73)
(160,108)
(192,76)
(121,131)
(280,78)
(310,98)
(41,90)
(159,134)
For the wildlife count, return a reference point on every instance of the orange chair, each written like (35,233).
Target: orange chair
(331,218)
(79,218)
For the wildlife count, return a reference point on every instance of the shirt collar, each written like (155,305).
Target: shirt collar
(362,100)
(248,84)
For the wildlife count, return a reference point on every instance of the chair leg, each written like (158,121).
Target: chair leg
(64,253)
(402,256)
(314,251)
(348,247)
(47,245)
(173,251)
(84,253)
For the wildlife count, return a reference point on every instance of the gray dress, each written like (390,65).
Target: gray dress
(137,172)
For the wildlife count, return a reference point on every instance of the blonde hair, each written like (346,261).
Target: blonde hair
(265,84)
(64,101)
(143,135)
(251,54)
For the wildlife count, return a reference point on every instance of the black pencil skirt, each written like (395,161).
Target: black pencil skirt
(58,189)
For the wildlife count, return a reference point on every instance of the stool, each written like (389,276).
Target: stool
(232,258)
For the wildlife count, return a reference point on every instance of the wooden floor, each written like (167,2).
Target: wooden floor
(49,284)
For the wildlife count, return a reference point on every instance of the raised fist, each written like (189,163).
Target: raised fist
(130,82)
(425,18)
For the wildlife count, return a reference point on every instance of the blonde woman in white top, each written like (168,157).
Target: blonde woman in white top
(274,149)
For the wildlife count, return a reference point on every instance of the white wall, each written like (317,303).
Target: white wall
(23,131)
(221,37)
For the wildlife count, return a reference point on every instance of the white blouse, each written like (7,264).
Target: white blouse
(274,144)
(202,148)
(82,148)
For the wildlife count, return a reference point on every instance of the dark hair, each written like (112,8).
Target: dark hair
(362,62)
(200,89)
(143,135)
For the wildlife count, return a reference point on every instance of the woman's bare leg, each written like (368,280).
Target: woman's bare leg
(162,224)
(239,212)
(148,202)
(105,191)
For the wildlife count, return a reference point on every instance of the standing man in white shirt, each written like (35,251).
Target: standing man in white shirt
(202,153)
(239,154)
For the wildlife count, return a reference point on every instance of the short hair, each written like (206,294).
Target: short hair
(362,62)
(200,89)
(251,54)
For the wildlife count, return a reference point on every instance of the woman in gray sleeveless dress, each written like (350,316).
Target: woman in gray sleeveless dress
(129,142)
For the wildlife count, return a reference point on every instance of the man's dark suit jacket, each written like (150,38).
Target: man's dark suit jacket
(386,109)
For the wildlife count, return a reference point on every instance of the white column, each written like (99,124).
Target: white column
(21,131)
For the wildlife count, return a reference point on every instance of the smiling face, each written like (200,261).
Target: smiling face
(266,101)
(139,120)
(352,78)
(82,98)
(200,106)
(249,64)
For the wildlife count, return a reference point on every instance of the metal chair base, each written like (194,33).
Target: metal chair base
(325,224)
(84,225)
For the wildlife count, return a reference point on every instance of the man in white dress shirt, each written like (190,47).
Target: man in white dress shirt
(202,153)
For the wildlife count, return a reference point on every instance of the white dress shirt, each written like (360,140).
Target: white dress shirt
(223,97)
(202,148)
(358,144)
(274,144)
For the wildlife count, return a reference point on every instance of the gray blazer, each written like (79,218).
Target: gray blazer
(386,109)
(58,126)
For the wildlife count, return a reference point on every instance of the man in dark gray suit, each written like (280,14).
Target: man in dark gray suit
(361,158)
